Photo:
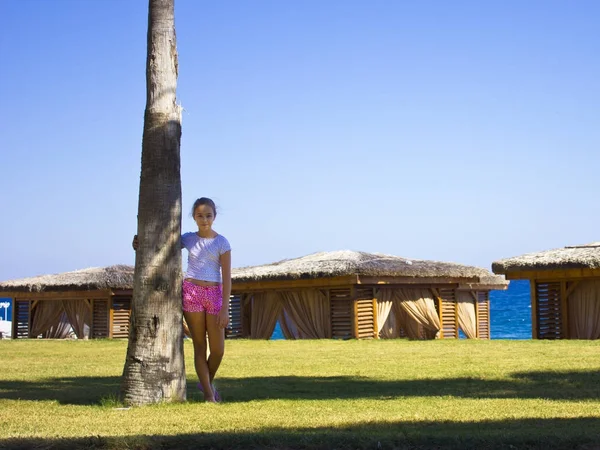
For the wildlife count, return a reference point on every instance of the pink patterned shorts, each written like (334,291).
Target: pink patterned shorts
(207,299)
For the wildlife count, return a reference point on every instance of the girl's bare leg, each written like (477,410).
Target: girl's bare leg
(197,324)
(216,341)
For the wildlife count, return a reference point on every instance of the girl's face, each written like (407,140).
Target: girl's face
(204,217)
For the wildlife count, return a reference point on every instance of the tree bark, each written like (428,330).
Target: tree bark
(154,367)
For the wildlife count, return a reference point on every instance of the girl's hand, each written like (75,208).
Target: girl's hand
(223,319)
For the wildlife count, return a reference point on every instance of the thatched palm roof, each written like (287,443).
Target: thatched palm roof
(316,265)
(346,262)
(112,277)
(572,257)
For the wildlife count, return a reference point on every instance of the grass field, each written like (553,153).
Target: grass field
(313,394)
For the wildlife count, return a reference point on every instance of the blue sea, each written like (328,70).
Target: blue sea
(510,313)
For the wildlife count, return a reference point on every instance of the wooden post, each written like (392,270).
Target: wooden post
(375,318)
(29,316)
(477,318)
(564,311)
(110,317)
(355,318)
(456,329)
(13,317)
(534,330)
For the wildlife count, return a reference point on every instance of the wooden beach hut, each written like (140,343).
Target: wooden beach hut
(565,290)
(350,294)
(91,303)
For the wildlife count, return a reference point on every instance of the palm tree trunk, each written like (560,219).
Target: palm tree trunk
(154,367)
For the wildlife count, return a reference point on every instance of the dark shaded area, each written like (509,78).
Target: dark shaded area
(580,434)
(563,385)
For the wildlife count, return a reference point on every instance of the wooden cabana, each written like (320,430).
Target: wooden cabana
(349,294)
(91,303)
(565,290)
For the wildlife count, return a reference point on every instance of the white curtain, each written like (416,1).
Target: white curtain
(584,311)
(467,320)
(266,307)
(420,306)
(385,323)
(305,314)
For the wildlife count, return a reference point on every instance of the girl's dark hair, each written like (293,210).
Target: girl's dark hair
(204,201)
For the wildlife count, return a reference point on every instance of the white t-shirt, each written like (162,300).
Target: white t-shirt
(204,255)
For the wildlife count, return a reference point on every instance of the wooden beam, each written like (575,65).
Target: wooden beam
(534,330)
(59,295)
(415,280)
(122,292)
(482,287)
(248,286)
(553,274)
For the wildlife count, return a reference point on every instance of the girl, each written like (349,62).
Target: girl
(206,290)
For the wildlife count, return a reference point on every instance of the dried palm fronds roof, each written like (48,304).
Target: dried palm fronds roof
(114,277)
(572,257)
(316,265)
(347,262)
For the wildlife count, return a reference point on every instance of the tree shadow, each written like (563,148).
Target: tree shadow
(559,385)
(568,433)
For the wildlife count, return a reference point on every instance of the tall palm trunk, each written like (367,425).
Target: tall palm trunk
(154,368)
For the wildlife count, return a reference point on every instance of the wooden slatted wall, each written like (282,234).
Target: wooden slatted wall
(449,313)
(100,319)
(549,314)
(234,330)
(341,313)
(365,316)
(22,317)
(121,313)
(482,313)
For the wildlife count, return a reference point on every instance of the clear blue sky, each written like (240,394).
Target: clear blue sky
(462,131)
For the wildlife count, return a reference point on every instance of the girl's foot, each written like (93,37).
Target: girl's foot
(206,398)
(216,394)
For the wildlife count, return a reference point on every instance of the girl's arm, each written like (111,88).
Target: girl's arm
(226,273)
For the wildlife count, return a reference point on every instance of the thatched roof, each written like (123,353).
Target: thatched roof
(316,265)
(347,262)
(114,277)
(572,257)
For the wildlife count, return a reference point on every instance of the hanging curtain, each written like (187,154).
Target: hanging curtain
(584,311)
(288,328)
(467,320)
(60,329)
(420,306)
(266,307)
(384,308)
(79,314)
(45,314)
(305,314)
(405,321)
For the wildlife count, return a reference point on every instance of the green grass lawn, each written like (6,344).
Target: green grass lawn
(313,394)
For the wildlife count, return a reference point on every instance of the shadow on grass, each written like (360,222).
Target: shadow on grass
(564,385)
(579,433)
